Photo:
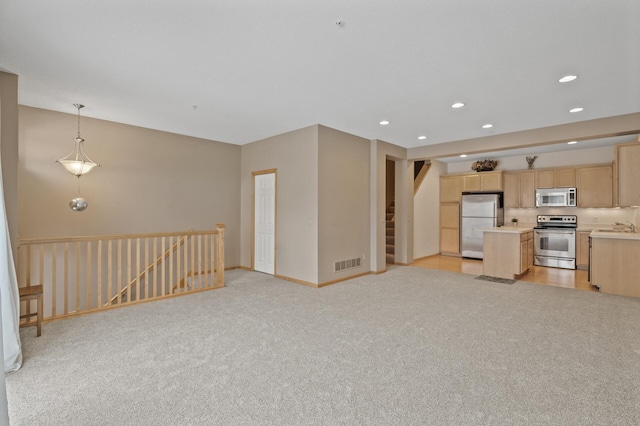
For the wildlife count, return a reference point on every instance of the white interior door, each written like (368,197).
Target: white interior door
(264,226)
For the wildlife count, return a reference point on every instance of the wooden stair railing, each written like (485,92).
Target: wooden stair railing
(89,274)
(136,280)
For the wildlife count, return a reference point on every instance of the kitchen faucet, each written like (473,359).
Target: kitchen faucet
(632,227)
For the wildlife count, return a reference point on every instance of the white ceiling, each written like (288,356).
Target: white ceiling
(258,68)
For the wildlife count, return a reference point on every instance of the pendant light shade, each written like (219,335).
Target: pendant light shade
(78,162)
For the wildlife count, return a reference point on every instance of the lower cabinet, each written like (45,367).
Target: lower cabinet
(507,254)
(615,268)
(582,249)
(450,228)
(526,251)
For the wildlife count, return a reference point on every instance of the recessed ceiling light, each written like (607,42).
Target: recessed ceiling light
(463,155)
(384,122)
(422,137)
(572,143)
(457,105)
(487,126)
(578,109)
(568,78)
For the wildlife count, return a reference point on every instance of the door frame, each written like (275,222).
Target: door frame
(253,215)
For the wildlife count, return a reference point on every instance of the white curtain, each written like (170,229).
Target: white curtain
(9,298)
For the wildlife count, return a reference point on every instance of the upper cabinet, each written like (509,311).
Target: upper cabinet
(450,188)
(519,189)
(628,174)
(556,178)
(483,181)
(595,186)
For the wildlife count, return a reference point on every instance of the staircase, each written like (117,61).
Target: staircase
(390,233)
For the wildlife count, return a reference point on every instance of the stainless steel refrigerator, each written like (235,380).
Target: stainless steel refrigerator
(479,211)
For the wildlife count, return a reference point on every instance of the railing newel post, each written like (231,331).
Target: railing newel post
(220,259)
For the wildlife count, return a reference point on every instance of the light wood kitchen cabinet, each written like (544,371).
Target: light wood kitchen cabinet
(450,228)
(582,249)
(471,182)
(614,265)
(482,181)
(519,189)
(507,253)
(527,189)
(595,186)
(526,251)
(556,178)
(628,174)
(565,178)
(450,189)
(491,181)
(511,190)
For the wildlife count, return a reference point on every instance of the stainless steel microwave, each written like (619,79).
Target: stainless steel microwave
(556,197)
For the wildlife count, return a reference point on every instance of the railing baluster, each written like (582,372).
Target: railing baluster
(178,265)
(54,279)
(99,273)
(146,271)
(129,276)
(185,261)
(155,270)
(138,269)
(220,265)
(88,277)
(109,269)
(200,262)
(119,271)
(27,280)
(171,265)
(212,240)
(164,274)
(77,307)
(205,261)
(66,278)
(193,263)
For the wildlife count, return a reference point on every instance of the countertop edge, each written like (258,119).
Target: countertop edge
(507,230)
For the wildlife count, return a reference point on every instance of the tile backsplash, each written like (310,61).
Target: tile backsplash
(586,217)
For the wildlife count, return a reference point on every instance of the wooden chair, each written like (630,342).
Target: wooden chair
(26,294)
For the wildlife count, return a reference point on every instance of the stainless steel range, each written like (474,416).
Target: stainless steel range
(555,241)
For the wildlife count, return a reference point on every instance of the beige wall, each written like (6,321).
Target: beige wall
(9,151)
(427,212)
(343,202)
(149,181)
(295,156)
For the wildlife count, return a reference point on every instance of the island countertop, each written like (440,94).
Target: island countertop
(508,229)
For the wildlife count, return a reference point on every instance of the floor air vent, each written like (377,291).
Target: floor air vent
(342,265)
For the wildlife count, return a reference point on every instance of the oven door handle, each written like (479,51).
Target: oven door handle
(538,231)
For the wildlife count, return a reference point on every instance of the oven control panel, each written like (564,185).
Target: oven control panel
(557,219)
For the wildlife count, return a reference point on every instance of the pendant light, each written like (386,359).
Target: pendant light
(78,162)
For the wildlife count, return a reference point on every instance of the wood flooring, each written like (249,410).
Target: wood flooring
(537,274)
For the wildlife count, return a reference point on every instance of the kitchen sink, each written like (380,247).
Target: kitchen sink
(626,231)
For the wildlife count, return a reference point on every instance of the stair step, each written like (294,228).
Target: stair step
(390,232)
(390,259)
(391,249)
(390,216)
(390,239)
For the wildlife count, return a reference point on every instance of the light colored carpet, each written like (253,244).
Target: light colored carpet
(412,346)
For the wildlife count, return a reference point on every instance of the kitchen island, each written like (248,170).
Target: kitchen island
(615,265)
(507,251)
